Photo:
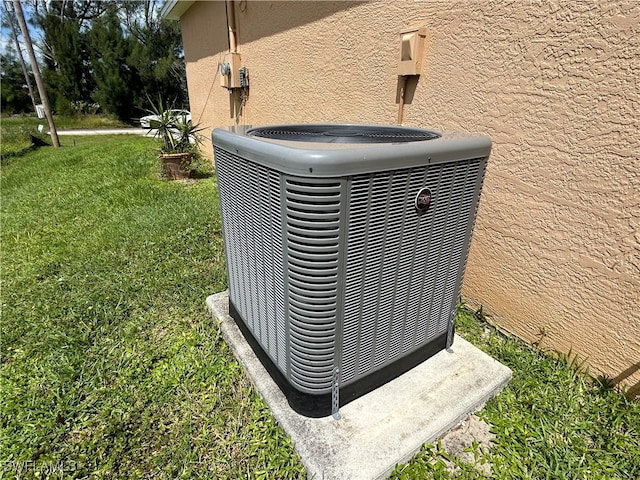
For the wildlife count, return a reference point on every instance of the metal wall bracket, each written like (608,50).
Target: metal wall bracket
(335,394)
(451,328)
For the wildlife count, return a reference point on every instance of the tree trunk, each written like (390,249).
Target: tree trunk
(36,73)
(14,34)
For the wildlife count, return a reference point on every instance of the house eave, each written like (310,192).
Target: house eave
(174,9)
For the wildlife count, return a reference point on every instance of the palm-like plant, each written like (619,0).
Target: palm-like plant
(176,133)
(179,140)
(187,136)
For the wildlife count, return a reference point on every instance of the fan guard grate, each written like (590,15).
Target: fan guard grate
(344,134)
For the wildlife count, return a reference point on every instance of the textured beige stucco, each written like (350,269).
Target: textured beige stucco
(556,250)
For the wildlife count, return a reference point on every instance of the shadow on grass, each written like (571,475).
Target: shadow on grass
(632,391)
(8,154)
(200,174)
(201,168)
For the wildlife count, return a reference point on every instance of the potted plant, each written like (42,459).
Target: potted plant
(179,139)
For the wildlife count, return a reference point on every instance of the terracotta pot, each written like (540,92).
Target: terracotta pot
(174,165)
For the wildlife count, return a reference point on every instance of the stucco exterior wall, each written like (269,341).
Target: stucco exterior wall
(556,250)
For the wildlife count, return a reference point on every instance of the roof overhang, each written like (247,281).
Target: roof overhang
(174,9)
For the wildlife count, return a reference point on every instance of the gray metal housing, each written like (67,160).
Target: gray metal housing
(330,263)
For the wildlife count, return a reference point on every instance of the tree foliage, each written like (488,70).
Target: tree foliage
(112,54)
(157,56)
(114,78)
(13,88)
(67,73)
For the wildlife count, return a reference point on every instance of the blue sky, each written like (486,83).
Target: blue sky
(6,38)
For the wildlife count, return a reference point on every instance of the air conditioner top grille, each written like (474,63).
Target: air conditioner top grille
(344,134)
(338,150)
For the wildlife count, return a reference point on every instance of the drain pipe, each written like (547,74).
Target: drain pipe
(233,74)
(231,25)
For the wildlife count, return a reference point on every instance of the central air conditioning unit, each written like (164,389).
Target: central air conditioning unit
(346,246)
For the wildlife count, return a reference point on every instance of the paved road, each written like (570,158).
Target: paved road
(110,131)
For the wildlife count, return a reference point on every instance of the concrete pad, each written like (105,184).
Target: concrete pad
(386,426)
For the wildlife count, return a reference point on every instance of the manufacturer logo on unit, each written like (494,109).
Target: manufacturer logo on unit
(423,200)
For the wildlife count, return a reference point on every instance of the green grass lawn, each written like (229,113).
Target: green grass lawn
(552,421)
(112,367)
(16,129)
(63,122)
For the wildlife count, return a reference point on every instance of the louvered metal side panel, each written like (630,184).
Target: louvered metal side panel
(402,271)
(250,201)
(313,223)
(474,202)
(462,207)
